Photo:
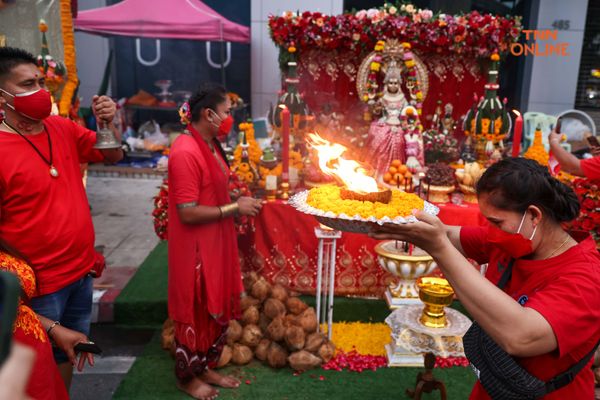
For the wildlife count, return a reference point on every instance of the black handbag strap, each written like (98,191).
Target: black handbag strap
(565,377)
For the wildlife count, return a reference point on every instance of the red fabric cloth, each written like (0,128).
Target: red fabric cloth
(283,248)
(207,249)
(565,290)
(48,219)
(591,167)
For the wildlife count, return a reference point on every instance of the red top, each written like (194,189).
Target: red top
(48,219)
(591,167)
(210,249)
(565,290)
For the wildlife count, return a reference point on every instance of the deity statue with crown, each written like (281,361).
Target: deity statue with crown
(395,132)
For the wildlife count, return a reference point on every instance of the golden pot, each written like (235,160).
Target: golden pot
(407,268)
(469,192)
(436,293)
(439,194)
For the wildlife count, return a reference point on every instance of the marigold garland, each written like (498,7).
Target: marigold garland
(327,198)
(66,19)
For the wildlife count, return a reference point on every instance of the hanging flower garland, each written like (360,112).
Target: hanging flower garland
(66,18)
(588,192)
(470,34)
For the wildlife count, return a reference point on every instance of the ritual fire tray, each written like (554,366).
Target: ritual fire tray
(356,224)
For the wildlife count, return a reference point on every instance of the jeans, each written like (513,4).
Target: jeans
(71,306)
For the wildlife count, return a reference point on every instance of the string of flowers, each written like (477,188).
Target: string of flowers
(66,19)
(470,34)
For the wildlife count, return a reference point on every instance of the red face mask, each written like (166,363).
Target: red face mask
(35,105)
(225,125)
(513,244)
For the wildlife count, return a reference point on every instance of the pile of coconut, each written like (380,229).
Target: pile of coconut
(276,328)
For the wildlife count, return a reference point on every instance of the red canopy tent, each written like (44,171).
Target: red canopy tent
(162,19)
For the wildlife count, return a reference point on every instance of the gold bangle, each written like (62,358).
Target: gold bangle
(228,210)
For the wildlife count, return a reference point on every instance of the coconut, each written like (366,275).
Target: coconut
(295,305)
(303,360)
(251,335)
(261,289)
(262,349)
(276,356)
(273,308)
(290,320)
(250,316)
(250,279)
(327,351)
(308,320)
(276,329)
(314,342)
(280,293)
(294,338)
(248,301)
(263,322)
(225,358)
(241,354)
(234,332)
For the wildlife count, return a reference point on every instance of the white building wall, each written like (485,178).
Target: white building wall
(553,83)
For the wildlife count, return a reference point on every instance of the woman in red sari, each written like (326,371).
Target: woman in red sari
(205,282)
(37,332)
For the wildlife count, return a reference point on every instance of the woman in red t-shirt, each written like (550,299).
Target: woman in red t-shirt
(547,317)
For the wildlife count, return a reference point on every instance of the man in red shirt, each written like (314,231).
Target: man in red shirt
(44,211)
(589,168)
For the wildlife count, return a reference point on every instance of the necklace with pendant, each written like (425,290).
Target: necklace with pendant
(52,169)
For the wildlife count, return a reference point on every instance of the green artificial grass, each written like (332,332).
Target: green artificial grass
(143,302)
(152,377)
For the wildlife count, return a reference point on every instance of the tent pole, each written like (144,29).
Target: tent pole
(222,56)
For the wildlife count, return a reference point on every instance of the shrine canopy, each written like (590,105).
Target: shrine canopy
(160,19)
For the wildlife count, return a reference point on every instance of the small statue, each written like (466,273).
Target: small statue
(387,134)
(448,122)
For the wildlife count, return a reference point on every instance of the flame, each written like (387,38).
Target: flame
(517,112)
(332,163)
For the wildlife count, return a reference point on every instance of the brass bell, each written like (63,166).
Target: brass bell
(105,139)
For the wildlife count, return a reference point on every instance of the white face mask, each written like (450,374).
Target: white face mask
(521,225)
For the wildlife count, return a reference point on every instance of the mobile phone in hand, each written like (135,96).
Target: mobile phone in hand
(558,125)
(89,347)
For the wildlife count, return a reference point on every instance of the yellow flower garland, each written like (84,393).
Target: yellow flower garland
(327,198)
(66,19)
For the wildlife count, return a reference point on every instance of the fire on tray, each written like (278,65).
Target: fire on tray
(357,185)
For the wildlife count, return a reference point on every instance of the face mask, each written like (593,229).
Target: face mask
(225,124)
(35,105)
(512,243)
